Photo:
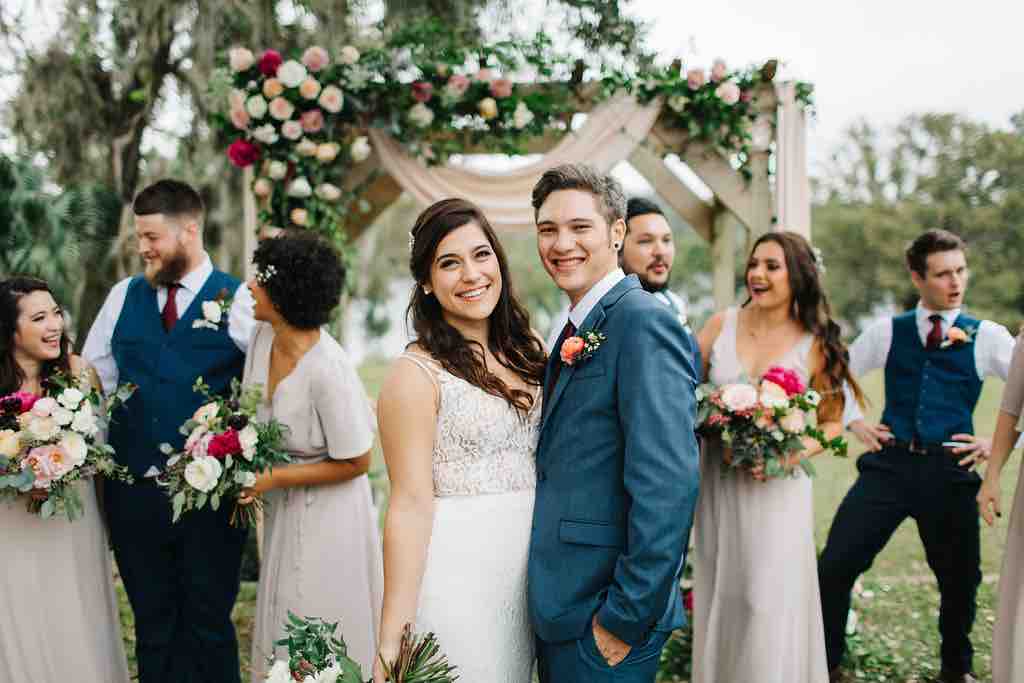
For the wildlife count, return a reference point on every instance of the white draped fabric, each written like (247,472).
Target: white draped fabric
(610,134)
(792,189)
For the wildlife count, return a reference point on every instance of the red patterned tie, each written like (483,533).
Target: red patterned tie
(567,331)
(935,334)
(170,313)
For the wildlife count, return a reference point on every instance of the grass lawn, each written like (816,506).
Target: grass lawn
(897,638)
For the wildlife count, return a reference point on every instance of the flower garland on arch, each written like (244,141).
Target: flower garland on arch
(302,121)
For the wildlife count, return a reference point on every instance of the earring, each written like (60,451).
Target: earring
(426,290)
(616,245)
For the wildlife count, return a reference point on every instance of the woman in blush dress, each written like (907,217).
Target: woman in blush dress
(321,547)
(59,620)
(459,417)
(1008,641)
(757,612)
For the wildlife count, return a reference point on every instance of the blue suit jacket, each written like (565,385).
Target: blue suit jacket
(617,474)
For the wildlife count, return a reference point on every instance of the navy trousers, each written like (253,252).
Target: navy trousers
(579,661)
(182,580)
(940,496)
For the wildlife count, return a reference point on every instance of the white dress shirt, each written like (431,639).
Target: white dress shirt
(97,350)
(578,313)
(676,303)
(993,348)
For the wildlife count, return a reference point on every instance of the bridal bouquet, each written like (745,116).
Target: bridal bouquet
(49,443)
(225,449)
(764,424)
(317,655)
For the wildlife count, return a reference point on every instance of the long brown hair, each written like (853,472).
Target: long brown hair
(509,337)
(809,306)
(11,375)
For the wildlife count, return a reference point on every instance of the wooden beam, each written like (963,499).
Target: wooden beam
(723,259)
(380,193)
(694,210)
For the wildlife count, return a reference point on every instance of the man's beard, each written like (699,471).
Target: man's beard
(652,287)
(174,268)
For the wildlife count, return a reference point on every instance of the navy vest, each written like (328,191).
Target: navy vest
(929,395)
(164,366)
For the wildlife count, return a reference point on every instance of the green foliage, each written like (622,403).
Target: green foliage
(313,646)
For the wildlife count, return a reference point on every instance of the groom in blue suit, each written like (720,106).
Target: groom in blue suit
(617,469)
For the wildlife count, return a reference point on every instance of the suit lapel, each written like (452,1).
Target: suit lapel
(593,322)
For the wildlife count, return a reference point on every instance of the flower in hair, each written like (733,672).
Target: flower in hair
(412,241)
(264,274)
(819,260)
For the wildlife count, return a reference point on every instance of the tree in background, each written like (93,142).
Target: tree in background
(933,170)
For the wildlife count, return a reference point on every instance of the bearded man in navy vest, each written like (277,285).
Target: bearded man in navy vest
(920,459)
(181,579)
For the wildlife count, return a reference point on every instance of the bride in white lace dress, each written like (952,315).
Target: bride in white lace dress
(459,417)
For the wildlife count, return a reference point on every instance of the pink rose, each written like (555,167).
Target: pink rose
(457,85)
(794,422)
(262,187)
(718,70)
(728,92)
(312,121)
(422,91)
(49,463)
(785,378)
(19,402)
(315,58)
(695,78)
(501,87)
(739,397)
(240,59)
(765,421)
(571,349)
(484,75)
(298,217)
(331,99)
(272,88)
(291,129)
(281,109)
(243,153)
(309,88)
(239,118)
(269,62)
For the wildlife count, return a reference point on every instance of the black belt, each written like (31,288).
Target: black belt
(916,447)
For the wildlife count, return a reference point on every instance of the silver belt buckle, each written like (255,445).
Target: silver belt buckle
(916,448)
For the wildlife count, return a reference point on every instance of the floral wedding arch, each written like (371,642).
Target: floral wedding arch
(330,140)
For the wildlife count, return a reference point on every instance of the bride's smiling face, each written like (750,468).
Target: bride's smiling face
(40,327)
(465,275)
(767,276)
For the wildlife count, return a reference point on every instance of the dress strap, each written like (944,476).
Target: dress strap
(425,363)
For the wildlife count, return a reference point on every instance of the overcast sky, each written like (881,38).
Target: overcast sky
(877,59)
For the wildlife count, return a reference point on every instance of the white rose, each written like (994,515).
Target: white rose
(248,437)
(206,413)
(9,443)
(279,673)
(212,311)
(300,188)
(348,55)
(327,152)
(70,398)
(773,396)
(292,73)
(256,106)
(266,134)
(360,149)
(84,421)
(240,58)
(737,397)
(202,473)
(421,115)
(307,147)
(677,103)
(794,422)
(62,416)
(778,435)
(43,428)
(75,447)
(329,675)
(813,397)
(291,129)
(277,170)
(328,192)
(522,116)
(44,407)
(193,439)
(245,479)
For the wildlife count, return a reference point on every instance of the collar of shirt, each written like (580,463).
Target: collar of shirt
(578,313)
(924,325)
(194,280)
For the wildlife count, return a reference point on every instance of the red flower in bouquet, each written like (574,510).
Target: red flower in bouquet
(18,402)
(224,444)
(785,378)
(688,600)
(269,62)
(422,91)
(243,153)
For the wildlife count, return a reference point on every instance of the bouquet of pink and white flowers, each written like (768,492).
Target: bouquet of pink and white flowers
(49,443)
(764,425)
(226,448)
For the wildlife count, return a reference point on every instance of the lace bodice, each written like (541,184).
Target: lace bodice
(482,445)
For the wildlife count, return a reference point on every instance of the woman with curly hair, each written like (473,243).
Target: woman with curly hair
(321,551)
(56,583)
(459,417)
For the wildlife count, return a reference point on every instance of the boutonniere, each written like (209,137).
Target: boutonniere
(957,336)
(215,311)
(581,347)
